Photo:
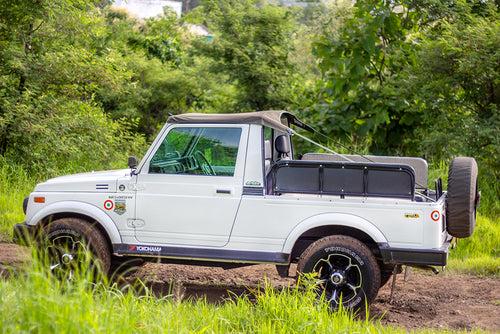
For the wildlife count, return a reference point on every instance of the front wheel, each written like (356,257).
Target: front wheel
(73,245)
(347,272)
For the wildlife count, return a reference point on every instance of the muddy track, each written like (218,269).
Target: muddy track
(423,301)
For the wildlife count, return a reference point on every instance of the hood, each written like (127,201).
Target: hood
(104,181)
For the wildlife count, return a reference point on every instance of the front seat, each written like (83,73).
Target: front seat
(282,145)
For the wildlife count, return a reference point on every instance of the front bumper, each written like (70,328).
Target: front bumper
(414,256)
(23,234)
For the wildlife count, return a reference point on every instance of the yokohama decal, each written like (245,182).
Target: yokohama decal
(108,204)
(435,215)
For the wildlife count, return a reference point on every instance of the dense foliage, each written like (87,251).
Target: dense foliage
(417,78)
(83,85)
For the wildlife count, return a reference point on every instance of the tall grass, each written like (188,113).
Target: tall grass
(479,254)
(15,184)
(37,303)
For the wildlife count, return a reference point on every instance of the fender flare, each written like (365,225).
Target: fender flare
(80,208)
(333,219)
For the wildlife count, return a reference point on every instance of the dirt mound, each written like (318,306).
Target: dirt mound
(423,301)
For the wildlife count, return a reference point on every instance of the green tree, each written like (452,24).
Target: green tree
(55,61)
(369,65)
(251,46)
(357,60)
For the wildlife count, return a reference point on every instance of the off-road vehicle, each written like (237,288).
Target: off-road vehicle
(229,190)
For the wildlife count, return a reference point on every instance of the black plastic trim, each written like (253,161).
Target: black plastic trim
(253,191)
(208,254)
(413,256)
(25,204)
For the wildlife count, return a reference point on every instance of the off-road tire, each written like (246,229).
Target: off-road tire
(359,254)
(85,232)
(462,197)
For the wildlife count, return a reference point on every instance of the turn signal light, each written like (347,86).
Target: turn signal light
(39,199)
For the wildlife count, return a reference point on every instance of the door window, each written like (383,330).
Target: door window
(197,151)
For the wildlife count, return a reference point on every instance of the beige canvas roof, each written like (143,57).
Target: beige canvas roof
(276,119)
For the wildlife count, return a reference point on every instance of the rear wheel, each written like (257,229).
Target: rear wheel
(346,269)
(74,245)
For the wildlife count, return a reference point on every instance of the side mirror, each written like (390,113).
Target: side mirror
(132,162)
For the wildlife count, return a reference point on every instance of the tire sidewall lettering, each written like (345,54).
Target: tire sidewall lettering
(343,250)
(59,232)
(68,232)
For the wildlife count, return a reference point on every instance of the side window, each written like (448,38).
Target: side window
(197,151)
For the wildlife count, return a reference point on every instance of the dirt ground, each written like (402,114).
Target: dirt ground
(424,300)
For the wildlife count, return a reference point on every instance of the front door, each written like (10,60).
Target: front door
(189,191)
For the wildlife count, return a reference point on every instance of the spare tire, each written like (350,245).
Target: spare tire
(462,197)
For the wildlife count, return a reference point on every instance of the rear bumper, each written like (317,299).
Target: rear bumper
(23,233)
(416,257)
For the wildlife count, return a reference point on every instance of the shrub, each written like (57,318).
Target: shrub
(50,136)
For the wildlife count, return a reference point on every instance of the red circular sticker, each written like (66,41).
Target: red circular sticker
(108,204)
(435,215)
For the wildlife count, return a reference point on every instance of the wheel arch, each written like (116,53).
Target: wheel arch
(87,212)
(317,227)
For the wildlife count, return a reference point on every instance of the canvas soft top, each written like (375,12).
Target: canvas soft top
(276,119)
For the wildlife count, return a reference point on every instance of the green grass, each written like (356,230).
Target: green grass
(15,184)
(37,303)
(479,254)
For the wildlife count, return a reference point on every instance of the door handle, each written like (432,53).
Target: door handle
(135,223)
(223,191)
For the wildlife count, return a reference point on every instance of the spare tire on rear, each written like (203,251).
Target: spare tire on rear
(462,197)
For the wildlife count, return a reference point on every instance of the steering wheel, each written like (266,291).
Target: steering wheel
(206,167)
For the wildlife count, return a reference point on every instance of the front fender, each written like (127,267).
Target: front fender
(332,219)
(80,208)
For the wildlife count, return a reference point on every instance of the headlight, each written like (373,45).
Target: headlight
(25,204)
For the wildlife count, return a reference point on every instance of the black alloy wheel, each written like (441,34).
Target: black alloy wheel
(346,271)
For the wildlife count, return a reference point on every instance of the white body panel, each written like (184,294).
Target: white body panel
(276,222)
(187,211)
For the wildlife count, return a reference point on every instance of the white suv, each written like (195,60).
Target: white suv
(228,190)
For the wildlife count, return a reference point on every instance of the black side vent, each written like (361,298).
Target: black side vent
(102,186)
